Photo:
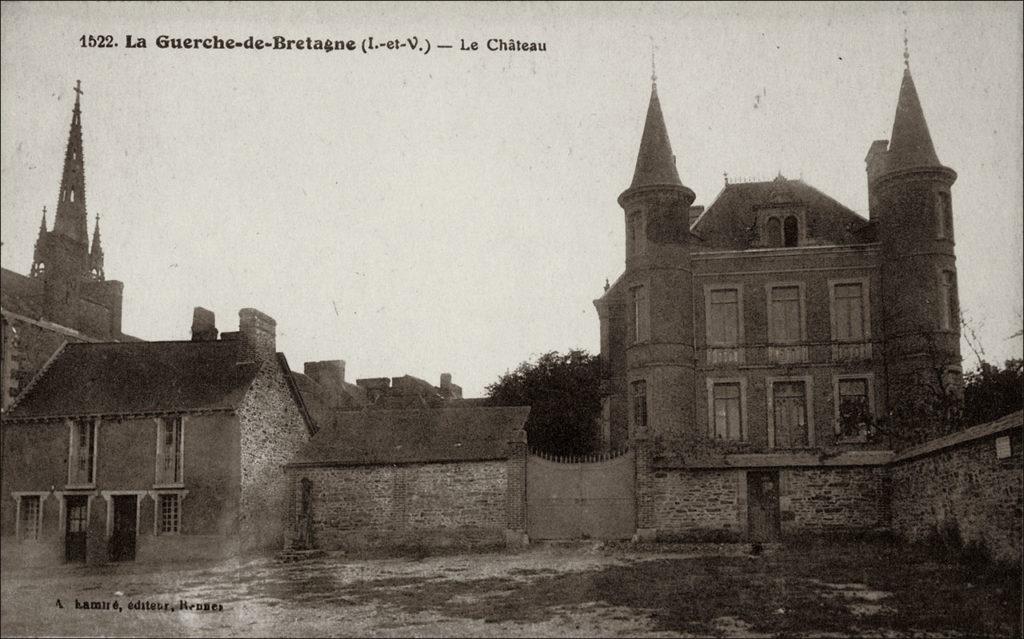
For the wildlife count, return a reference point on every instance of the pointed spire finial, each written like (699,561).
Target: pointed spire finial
(906,49)
(654,70)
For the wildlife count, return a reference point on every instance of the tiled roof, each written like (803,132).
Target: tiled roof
(137,378)
(729,222)
(374,436)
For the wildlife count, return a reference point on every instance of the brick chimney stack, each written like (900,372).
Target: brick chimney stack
(328,373)
(258,333)
(204,325)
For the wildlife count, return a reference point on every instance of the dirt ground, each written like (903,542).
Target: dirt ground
(814,589)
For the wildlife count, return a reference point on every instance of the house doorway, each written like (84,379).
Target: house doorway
(76,522)
(122,538)
(763,505)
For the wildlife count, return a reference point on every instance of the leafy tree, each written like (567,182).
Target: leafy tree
(564,396)
(991,392)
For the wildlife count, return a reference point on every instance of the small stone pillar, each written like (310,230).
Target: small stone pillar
(646,526)
(515,506)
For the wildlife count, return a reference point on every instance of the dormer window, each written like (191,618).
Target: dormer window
(790,231)
(782,230)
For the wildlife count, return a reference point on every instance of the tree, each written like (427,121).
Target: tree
(991,392)
(563,393)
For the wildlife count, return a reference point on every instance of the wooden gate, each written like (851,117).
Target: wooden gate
(576,498)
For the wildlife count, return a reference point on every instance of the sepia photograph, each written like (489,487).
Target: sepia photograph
(548,319)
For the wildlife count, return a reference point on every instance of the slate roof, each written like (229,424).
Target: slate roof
(911,143)
(374,436)
(119,378)
(729,221)
(655,163)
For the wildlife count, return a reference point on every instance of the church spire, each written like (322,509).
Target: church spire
(70,220)
(655,163)
(96,254)
(38,259)
(910,144)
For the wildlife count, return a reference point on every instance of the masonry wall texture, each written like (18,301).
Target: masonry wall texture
(833,500)
(691,502)
(461,503)
(271,431)
(965,486)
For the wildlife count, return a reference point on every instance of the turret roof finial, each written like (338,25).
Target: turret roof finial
(654,71)
(906,49)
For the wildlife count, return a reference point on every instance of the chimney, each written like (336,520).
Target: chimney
(449,390)
(258,333)
(204,325)
(328,373)
(695,212)
(876,166)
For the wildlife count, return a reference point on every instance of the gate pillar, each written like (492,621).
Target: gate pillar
(515,475)
(646,529)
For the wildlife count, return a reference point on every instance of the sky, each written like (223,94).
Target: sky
(455,211)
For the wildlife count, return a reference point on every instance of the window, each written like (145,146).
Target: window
(82,460)
(848,316)
(950,318)
(774,232)
(790,427)
(791,232)
(169,451)
(640,405)
(641,323)
(785,315)
(636,234)
(727,410)
(29,517)
(943,216)
(853,406)
(170,514)
(723,322)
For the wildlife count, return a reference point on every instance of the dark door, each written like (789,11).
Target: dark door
(76,521)
(763,505)
(122,539)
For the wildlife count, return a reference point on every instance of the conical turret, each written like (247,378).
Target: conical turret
(911,144)
(655,163)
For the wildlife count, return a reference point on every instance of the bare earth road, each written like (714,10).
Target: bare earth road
(821,588)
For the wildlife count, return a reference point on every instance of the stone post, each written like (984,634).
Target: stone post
(515,477)
(646,526)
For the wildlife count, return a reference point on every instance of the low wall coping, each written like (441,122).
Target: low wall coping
(774,460)
(1005,423)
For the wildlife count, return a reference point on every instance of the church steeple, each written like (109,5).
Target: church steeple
(96,254)
(38,254)
(71,220)
(655,163)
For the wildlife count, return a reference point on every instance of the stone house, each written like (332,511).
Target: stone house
(66,296)
(153,450)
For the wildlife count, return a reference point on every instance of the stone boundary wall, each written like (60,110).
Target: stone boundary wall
(970,481)
(453,504)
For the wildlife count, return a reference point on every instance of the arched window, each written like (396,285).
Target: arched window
(72,194)
(791,231)
(774,232)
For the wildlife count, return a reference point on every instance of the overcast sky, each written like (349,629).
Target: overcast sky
(456,211)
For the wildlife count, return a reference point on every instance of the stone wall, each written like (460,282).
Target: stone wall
(960,482)
(697,502)
(272,430)
(458,503)
(834,499)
